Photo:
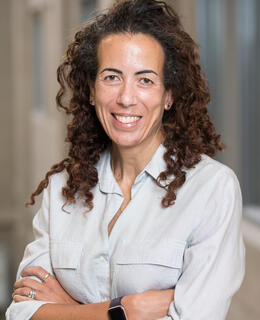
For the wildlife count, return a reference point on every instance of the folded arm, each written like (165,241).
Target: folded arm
(149,305)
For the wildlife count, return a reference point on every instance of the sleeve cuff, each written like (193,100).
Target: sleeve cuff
(23,310)
(172,315)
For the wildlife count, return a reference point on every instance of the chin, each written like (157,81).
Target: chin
(125,142)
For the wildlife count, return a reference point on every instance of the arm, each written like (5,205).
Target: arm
(214,260)
(149,305)
(36,253)
(71,312)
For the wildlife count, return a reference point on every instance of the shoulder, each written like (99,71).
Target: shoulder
(54,189)
(216,196)
(210,169)
(58,180)
(212,182)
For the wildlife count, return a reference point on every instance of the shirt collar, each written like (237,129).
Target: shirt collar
(157,163)
(107,182)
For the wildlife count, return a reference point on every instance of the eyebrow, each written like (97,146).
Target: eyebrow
(136,73)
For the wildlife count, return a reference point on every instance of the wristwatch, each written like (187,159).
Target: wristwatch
(116,311)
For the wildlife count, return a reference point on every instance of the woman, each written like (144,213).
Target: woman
(138,209)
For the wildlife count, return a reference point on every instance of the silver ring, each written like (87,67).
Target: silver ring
(32,294)
(45,277)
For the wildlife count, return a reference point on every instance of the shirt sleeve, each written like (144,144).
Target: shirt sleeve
(36,254)
(214,258)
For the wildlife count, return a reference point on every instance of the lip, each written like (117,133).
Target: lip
(125,125)
(125,114)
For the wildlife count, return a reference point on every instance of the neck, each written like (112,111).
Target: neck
(128,162)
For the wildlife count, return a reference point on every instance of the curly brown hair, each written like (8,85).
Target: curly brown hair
(188,129)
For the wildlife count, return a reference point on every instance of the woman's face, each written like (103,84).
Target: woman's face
(128,93)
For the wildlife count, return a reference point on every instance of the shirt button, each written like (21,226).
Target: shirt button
(103,258)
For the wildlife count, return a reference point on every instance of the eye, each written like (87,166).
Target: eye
(111,77)
(146,81)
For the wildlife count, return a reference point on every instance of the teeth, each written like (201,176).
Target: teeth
(127,119)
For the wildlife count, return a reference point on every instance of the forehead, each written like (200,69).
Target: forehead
(130,51)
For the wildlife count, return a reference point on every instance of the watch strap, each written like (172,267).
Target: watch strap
(115,302)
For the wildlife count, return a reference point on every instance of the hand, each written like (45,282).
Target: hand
(148,305)
(48,289)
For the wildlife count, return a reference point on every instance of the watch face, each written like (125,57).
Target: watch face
(116,313)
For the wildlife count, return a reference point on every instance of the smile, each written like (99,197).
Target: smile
(128,119)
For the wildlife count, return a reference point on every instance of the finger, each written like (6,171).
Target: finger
(22,292)
(27,282)
(37,271)
(45,295)
(17,298)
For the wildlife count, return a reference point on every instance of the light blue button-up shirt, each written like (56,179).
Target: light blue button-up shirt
(194,246)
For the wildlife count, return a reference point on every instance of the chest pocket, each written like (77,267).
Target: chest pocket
(144,266)
(65,259)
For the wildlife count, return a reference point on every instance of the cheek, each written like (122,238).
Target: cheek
(153,100)
(155,110)
(98,115)
(104,102)
(104,93)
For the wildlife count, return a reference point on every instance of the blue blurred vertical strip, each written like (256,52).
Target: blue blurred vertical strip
(248,47)
(210,36)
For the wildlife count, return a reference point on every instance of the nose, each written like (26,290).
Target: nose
(127,95)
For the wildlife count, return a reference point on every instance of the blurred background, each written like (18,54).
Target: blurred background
(34,35)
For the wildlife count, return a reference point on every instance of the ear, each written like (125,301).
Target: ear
(168,100)
(92,92)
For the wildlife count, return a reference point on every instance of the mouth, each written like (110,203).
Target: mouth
(126,119)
